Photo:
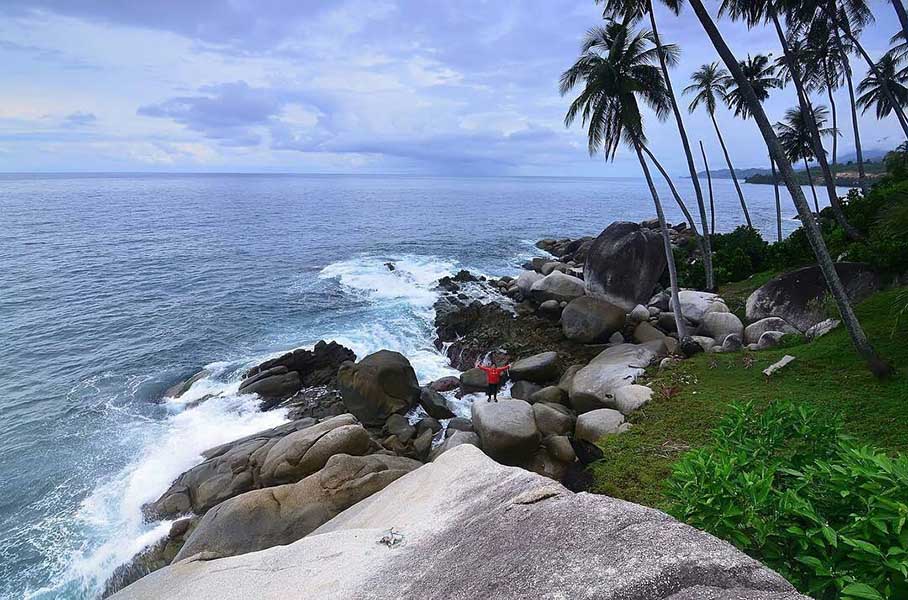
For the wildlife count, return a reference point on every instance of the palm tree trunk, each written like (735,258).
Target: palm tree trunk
(712,204)
(817,143)
(903,16)
(731,169)
(876,364)
(775,185)
(685,143)
(862,175)
(813,190)
(846,29)
(667,243)
(835,132)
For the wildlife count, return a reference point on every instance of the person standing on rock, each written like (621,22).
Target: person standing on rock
(493,378)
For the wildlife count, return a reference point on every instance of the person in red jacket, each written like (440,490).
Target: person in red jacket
(493,378)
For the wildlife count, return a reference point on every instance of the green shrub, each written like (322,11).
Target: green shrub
(785,486)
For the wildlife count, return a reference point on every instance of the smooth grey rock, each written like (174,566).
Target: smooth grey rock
(629,398)
(594,385)
(549,267)
(705,342)
(639,314)
(457,439)
(525,281)
(445,384)
(274,383)
(694,304)
(624,264)
(551,421)
(524,390)
(645,332)
(799,296)
(821,329)
(559,447)
(552,394)
(378,386)
(567,378)
(557,286)
(754,331)
(732,343)
(594,425)
(507,429)
(434,404)
(280,515)
(769,339)
(465,500)
(551,308)
(460,424)
(539,368)
(718,325)
(616,338)
(400,426)
(473,380)
(430,423)
(587,319)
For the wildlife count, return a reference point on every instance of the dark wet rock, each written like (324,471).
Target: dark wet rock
(552,394)
(272,385)
(587,319)
(460,424)
(624,264)
(319,402)
(523,390)
(800,297)
(430,423)
(378,386)
(178,389)
(473,380)
(434,404)
(445,384)
(539,368)
(399,425)
(457,438)
(316,367)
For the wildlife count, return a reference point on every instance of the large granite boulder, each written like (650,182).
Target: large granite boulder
(378,386)
(557,286)
(594,385)
(407,542)
(719,325)
(525,281)
(457,438)
(280,515)
(272,385)
(624,264)
(587,319)
(507,429)
(435,404)
(280,455)
(473,380)
(799,297)
(553,419)
(754,331)
(694,304)
(539,368)
(592,426)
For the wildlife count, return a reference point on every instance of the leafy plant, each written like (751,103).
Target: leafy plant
(785,486)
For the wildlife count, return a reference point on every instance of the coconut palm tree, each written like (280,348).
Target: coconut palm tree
(875,363)
(709,181)
(616,70)
(631,11)
(754,12)
(709,84)
(872,88)
(761,74)
(794,135)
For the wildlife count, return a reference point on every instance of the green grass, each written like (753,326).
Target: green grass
(690,398)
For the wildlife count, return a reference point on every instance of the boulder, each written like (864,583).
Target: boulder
(594,425)
(587,319)
(460,424)
(539,368)
(705,342)
(629,398)
(430,423)
(559,447)
(178,389)
(274,384)
(694,304)
(718,325)
(445,384)
(525,281)
(523,390)
(399,425)
(821,329)
(378,386)
(754,331)
(639,314)
(557,286)
(624,264)
(594,385)
(473,380)
(550,308)
(799,297)
(551,394)
(559,545)
(769,339)
(549,267)
(551,420)
(313,367)
(732,343)
(281,515)
(644,332)
(507,430)
(434,404)
(616,338)
(458,438)
(567,378)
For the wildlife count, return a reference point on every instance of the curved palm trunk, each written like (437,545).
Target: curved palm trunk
(712,204)
(835,133)
(685,143)
(731,169)
(775,185)
(877,365)
(903,16)
(862,175)
(816,142)
(667,243)
(813,190)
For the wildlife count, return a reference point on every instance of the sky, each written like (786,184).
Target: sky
(436,87)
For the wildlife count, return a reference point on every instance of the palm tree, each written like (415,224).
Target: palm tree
(631,11)
(761,75)
(873,86)
(709,181)
(877,365)
(824,67)
(615,69)
(794,135)
(754,12)
(710,83)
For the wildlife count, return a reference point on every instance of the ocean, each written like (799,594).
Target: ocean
(114,287)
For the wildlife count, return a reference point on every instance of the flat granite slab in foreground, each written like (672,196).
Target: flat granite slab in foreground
(466,527)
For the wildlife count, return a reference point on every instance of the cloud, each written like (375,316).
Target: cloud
(79,119)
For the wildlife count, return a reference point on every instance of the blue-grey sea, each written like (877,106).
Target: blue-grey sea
(114,287)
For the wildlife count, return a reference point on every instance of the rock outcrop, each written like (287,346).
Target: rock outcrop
(594,385)
(624,264)
(378,386)
(799,297)
(440,531)
(587,319)
(507,430)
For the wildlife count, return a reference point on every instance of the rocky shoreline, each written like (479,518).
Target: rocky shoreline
(580,327)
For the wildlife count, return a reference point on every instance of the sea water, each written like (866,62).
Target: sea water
(114,287)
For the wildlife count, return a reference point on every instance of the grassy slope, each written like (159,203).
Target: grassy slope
(691,397)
